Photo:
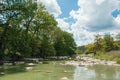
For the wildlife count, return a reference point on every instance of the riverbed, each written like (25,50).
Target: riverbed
(56,71)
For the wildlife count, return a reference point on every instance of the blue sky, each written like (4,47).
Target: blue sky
(115,13)
(85,18)
(67,6)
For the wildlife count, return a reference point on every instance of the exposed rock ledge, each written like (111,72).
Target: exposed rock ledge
(87,61)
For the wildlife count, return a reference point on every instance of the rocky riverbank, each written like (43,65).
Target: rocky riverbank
(87,61)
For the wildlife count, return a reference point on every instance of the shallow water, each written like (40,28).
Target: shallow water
(98,72)
(62,72)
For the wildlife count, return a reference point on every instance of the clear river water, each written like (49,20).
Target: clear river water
(98,72)
(65,72)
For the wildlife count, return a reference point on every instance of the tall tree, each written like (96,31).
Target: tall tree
(98,43)
(27,29)
(60,45)
(117,42)
(9,12)
(70,43)
(20,21)
(108,42)
(64,44)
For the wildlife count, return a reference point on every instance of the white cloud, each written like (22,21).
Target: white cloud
(94,16)
(52,7)
(99,1)
(81,35)
(62,24)
(118,19)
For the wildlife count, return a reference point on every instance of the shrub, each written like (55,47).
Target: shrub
(118,60)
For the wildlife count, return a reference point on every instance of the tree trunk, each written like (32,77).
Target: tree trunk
(1,54)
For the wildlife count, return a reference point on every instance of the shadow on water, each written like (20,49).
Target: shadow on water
(12,69)
(98,72)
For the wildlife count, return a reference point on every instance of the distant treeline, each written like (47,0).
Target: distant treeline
(102,43)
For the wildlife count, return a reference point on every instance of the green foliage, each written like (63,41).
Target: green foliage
(47,48)
(64,44)
(118,37)
(108,42)
(106,47)
(112,55)
(118,60)
(28,30)
(90,47)
(70,45)
(104,44)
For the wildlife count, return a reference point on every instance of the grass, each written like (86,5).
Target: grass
(112,55)
(118,60)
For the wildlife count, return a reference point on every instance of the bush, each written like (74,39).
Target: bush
(118,60)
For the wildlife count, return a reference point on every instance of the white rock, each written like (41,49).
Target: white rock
(29,68)
(64,78)
(31,64)
(2,73)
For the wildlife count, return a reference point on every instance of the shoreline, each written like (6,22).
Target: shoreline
(88,61)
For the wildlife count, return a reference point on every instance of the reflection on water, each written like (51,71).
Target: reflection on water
(98,72)
(82,73)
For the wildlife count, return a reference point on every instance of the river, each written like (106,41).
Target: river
(56,71)
(97,72)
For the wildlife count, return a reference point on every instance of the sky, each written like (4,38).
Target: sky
(85,18)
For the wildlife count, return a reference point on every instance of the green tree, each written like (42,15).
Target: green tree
(60,45)
(117,42)
(47,48)
(81,50)
(70,43)
(108,42)
(9,12)
(90,48)
(21,22)
(118,37)
(28,30)
(98,43)
(64,44)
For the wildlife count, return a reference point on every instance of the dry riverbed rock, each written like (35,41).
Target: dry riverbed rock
(64,78)
(31,64)
(87,61)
